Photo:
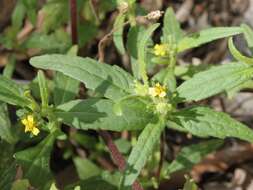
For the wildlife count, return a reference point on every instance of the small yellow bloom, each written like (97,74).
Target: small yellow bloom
(30,125)
(160,49)
(157,90)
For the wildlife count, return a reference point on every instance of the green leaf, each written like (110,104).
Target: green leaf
(98,114)
(31,6)
(214,80)
(66,88)
(53,187)
(171,28)
(11,93)
(186,72)
(35,162)
(166,77)
(110,81)
(191,155)
(142,51)
(55,14)
(118,34)
(190,184)
(233,91)
(55,42)
(207,35)
(123,145)
(85,168)
(248,33)
(148,138)
(133,39)
(237,54)
(10,67)
(7,166)
(43,88)
(18,15)
(105,181)
(21,184)
(6,132)
(88,30)
(204,122)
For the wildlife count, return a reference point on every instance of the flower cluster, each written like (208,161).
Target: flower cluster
(160,49)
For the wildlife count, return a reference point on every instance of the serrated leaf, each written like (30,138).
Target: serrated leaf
(118,34)
(171,28)
(99,114)
(35,162)
(86,168)
(191,155)
(110,81)
(237,54)
(207,35)
(11,93)
(214,80)
(148,138)
(142,51)
(205,122)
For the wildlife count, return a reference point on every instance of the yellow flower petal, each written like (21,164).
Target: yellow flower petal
(30,119)
(27,128)
(35,131)
(24,121)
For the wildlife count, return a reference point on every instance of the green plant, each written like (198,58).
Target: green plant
(119,101)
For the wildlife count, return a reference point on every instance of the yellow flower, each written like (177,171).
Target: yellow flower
(160,49)
(157,90)
(30,125)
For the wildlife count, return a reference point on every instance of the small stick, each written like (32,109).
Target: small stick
(73,21)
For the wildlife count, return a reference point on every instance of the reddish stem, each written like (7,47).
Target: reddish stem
(117,156)
(73,21)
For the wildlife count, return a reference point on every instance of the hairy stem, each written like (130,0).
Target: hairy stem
(117,157)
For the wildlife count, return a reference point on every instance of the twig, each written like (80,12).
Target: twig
(101,44)
(154,15)
(73,17)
